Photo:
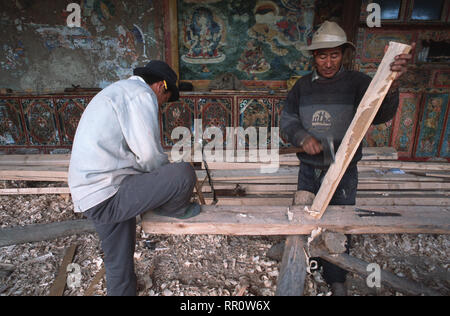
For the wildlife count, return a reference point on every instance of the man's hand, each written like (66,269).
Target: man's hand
(400,64)
(311,145)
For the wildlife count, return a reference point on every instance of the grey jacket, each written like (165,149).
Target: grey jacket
(118,135)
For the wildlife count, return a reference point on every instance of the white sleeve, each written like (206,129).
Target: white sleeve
(139,123)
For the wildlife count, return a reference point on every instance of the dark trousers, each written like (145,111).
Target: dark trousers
(310,179)
(168,188)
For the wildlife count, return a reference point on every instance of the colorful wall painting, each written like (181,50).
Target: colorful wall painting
(431,124)
(445,147)
(375,41)
(441,79)
(405,122)
(255,40)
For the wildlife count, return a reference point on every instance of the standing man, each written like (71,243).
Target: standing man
(118,169)
(323,104)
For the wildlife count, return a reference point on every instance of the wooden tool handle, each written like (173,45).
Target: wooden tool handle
(291,150)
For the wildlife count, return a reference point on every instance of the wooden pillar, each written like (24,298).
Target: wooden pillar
(291,281)
(350,22)
(171,35)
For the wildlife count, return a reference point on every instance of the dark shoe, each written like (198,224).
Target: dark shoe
(193,209)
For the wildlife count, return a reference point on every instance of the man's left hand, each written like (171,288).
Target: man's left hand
(400,64)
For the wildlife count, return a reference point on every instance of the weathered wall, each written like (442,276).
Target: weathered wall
(39,53)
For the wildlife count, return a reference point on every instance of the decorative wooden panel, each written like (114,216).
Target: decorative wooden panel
(216,112)
(39,115)
(405,123)
(172,115)
(12,129)
(47,124)
(431,125)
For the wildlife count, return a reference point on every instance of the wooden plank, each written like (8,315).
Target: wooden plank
(35,160)
(35,173)
(38,232)
(406,165)
(361,122)
(405,186)
(288,188)
(98,277)
(358,266)
(59,284)
(278,200)
(369,153)
(24,191)
(291,281)
(273,220)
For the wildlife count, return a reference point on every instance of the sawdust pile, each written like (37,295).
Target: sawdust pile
(197,265)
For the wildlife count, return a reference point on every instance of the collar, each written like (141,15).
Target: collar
(316,76)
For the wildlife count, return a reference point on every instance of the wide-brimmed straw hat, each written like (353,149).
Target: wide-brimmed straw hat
(329,35)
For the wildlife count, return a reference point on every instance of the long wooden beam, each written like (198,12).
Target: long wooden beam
(359,266)
(286,200)
(361,122)
(369,153)
(273,220)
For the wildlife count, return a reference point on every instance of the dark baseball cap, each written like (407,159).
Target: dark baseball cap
(162,70)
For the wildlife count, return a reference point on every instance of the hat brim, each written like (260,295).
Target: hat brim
(175,93)
(322,45)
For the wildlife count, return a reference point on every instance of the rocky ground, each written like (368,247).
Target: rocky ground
(194,265)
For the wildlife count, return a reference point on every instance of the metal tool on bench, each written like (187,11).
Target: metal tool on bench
(327,149)
(369,213)
(208,174)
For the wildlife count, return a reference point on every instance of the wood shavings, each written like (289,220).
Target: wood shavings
(290,215)
(314,233)
(311,212)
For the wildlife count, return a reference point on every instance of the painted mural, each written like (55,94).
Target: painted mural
(205,36)
(445,147)
(40,53)
(431,125)
(255,40)
(405,124)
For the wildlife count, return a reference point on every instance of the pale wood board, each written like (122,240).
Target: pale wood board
(273,220)
(361,122)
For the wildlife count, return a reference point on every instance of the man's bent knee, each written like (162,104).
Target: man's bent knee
(187,172)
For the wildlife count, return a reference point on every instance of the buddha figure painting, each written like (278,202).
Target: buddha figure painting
(204,36)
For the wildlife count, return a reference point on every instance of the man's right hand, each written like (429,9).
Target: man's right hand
(311,145)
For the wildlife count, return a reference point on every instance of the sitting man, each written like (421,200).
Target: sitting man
(118,169)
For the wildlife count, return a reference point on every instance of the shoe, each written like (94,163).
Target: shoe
(193,209)
(339,289)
